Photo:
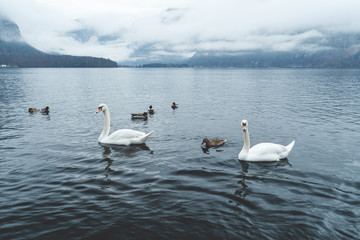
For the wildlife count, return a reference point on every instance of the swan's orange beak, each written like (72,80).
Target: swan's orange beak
(244,128)
(99,110)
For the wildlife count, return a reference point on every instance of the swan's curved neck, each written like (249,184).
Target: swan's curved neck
(106,130)
(246,146)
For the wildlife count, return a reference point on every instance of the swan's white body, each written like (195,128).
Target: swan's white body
(262,152)
(119,137)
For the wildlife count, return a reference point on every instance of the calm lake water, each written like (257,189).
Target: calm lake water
(57,182)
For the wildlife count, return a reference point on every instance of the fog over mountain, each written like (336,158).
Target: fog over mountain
(15,51)
(9,31)
(332,50)
(194,32)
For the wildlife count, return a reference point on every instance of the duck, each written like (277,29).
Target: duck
(45,110)
(151,110)
(143,116)
(120,137)
(32,110)
(262,152)
(174,105)
(215,142)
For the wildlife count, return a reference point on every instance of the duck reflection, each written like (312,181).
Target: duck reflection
(45,112)
(205,150)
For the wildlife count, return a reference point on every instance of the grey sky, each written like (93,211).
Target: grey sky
(117,29)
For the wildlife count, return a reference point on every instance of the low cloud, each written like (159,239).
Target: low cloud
(136,30)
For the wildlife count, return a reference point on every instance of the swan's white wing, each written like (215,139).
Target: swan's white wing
(123,137)
(267,152)
(141,140)
(126,133)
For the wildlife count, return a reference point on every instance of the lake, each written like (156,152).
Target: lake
(58,182)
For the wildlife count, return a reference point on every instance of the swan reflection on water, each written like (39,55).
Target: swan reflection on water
(282,163)
(127,151)
(244,191)
(106,158)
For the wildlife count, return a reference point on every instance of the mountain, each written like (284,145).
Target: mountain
(310,49)
(14,51)
(263,59)
(333,50)
(9,31)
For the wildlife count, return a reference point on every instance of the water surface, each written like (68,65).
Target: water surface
(57,182)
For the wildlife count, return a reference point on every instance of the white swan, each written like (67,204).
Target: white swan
(263,151)
(122,136)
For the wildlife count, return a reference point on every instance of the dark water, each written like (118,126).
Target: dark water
(57,182)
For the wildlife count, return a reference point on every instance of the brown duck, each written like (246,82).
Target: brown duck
(216,142)
(32,110)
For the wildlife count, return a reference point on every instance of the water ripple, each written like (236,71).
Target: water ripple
(57,182)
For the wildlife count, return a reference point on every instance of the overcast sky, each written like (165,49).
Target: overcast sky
(122,29)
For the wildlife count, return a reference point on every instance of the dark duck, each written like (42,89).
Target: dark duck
(174,105)
(151,110)
(45,110)
(143,116)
